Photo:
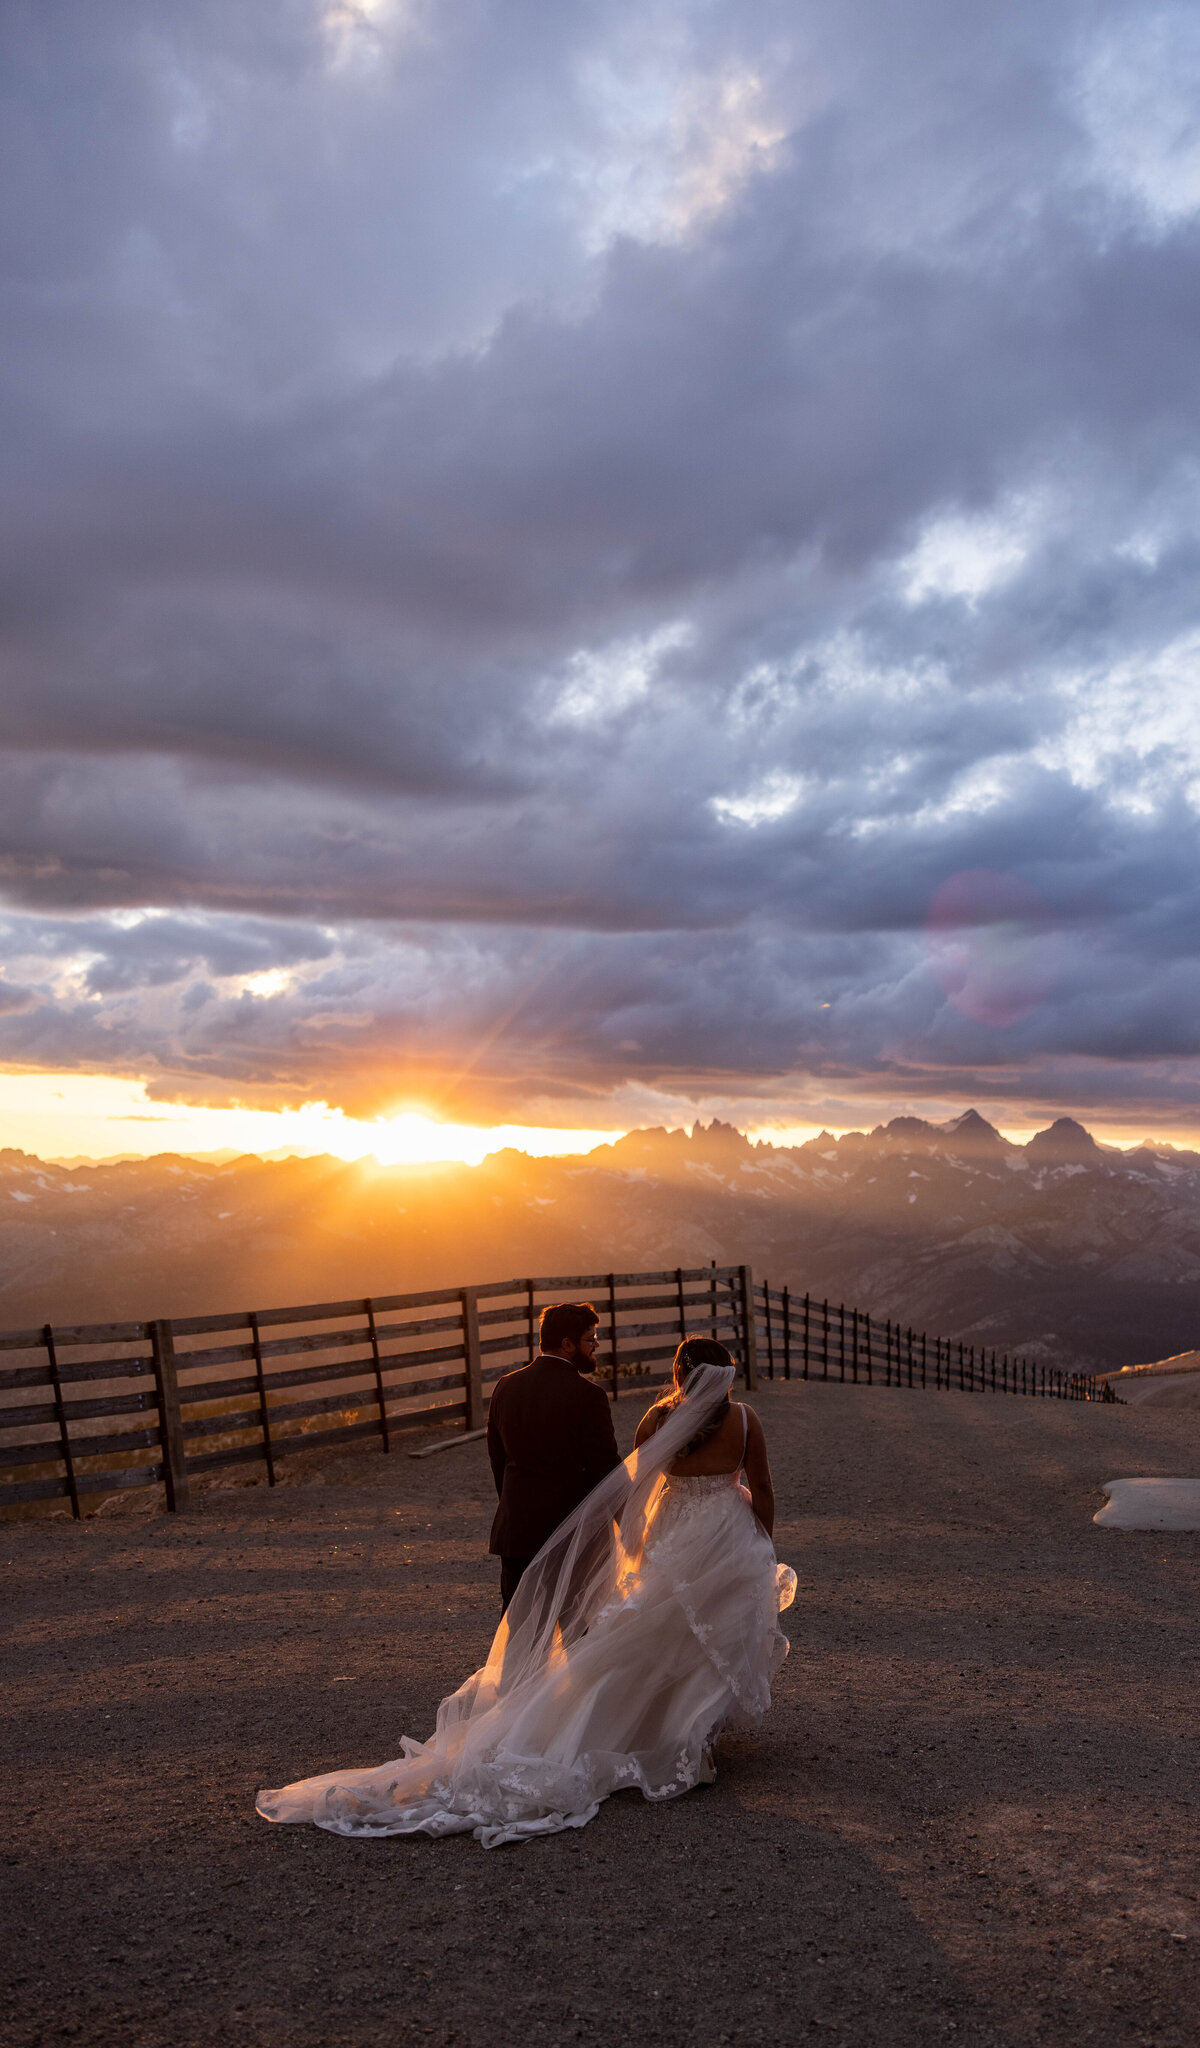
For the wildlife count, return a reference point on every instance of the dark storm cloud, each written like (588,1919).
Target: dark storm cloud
(560,533)
(162,950)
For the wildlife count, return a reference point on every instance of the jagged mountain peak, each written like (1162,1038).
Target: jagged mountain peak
(906,1130)
(715,1144)
(971,1132)
(1065,1143)
(968,1133)
(720,1139)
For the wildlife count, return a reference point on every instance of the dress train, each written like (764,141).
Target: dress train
(647,1624)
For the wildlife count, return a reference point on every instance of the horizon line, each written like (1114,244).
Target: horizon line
(772,1138)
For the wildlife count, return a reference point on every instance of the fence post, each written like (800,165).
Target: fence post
(787,1333)
(64,1435)
(380,1394)
(264,1412)
(529,1310)
(749,1326)
(770,1336)
(170,1416)
(473,1363)
(612,1330)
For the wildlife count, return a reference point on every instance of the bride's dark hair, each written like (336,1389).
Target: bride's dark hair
(692,1352)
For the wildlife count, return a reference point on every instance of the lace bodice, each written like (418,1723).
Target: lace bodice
(692,1497)
(694,1485)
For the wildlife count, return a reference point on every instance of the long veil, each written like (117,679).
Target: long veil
(590,1562)
(486,1766)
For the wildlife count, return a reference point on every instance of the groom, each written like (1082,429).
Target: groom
(550,1439)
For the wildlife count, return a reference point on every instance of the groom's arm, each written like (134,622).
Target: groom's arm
(495,1444)
(600,1443)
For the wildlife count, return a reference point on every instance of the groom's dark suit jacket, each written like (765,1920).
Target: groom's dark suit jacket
(550,1439)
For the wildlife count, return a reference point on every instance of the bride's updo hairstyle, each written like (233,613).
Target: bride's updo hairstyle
(692,1352)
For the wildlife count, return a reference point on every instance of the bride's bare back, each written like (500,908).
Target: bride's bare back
(734,1445)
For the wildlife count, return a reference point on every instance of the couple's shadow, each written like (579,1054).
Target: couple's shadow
(714,1919)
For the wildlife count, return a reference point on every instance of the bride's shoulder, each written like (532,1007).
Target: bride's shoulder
(653,1419)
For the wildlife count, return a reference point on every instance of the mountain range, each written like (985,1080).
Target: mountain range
(1062,1248)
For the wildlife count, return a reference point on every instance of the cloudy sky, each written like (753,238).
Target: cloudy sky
(579,564)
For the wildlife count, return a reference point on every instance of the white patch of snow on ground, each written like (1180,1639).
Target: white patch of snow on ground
(1150,1504)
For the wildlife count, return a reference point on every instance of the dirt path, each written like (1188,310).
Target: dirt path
(972,1817)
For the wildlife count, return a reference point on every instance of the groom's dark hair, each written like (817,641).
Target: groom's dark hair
(564,1319)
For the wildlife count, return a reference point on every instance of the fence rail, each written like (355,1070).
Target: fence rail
(95,1407)
(811,1339)
(252,1388)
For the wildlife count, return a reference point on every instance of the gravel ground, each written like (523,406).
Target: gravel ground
(971,1817)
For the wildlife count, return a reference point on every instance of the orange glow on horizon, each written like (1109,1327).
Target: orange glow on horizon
(70,1116)
(102,1116)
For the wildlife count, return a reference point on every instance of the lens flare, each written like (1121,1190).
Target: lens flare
(992,945)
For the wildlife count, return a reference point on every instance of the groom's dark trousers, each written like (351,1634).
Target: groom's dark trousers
(550,1439)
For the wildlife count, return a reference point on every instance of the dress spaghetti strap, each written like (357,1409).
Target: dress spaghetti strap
(745,1432)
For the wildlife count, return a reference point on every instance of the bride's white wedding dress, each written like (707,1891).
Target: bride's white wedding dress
(647,1623)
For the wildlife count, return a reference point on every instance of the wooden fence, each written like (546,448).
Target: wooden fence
(108,1405)
(823,1341)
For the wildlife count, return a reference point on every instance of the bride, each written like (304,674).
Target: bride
(647,1623)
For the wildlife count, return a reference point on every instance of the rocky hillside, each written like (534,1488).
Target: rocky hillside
(1062,1248)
